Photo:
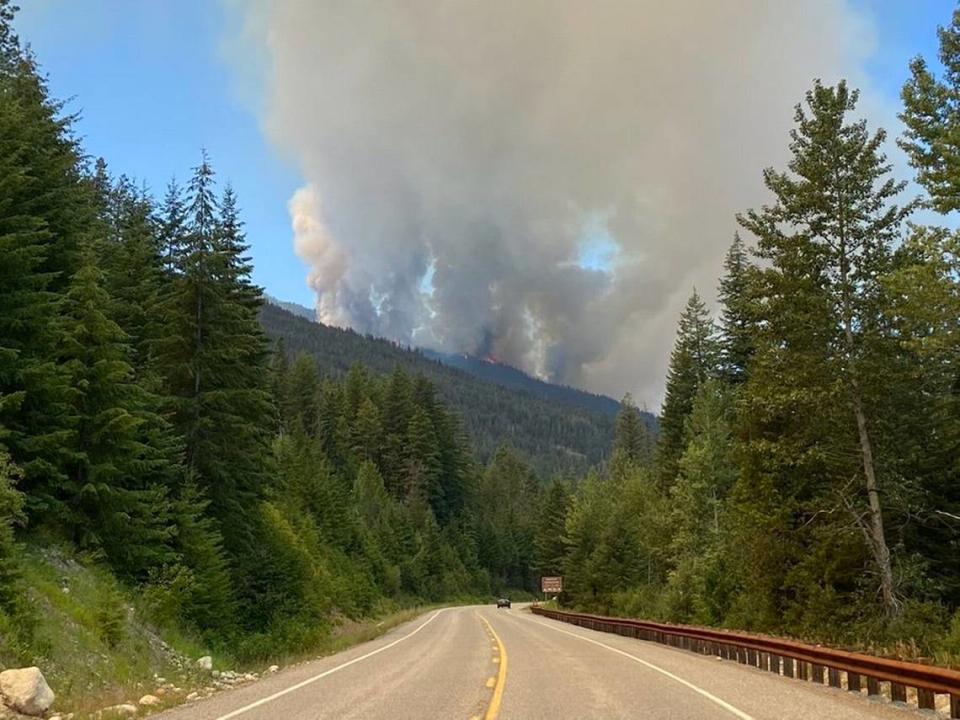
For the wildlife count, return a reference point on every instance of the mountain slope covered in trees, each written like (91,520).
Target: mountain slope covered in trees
(510,377)
(554,436)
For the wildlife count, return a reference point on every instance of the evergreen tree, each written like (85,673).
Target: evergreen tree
(631,440)
(694,358)
(422,460)
(210,603)
(173,228)
(134,274)
(397,410)
(925,397)
(549,541)
(108,497)
(44,210)
(931,114)
(11,514)
(297,401)
(215,362)
(699,581)
(367,431)
(736,332)
(506,501)
(827,239)
(231,245)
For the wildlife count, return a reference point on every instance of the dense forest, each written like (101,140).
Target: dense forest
(557,430)
(805,477)
(148,423)
(510,377)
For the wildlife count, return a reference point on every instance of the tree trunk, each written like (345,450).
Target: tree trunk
(878,539)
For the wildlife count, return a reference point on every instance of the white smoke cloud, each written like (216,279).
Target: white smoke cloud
(477,140)
(327,261)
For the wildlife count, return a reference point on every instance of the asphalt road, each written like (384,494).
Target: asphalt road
(480,662)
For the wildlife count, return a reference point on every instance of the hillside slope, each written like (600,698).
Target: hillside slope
(555,437)
(510,377)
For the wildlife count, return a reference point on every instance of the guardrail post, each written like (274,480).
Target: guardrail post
(955,706)
(788,667)
(853,682)
(926,700)
(873,686)
(817,673)
(803,670)
(898,692)
(833,677)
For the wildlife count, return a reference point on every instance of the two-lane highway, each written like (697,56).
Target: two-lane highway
(480,662)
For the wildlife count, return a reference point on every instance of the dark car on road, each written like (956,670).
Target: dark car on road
(503,602)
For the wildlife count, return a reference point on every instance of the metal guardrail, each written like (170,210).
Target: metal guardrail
(838,668)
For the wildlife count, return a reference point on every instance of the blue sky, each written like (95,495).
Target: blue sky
(152,84)
(153,87)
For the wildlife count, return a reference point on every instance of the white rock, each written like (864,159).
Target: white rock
(26,690)
(273,668)
(205,663)
(126,710)
(216,673)
(149,700)
(192,696)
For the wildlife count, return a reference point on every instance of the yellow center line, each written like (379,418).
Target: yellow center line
(493,710)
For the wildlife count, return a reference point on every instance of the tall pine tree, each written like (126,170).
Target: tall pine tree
(736,331)
(828,239)
(695,358)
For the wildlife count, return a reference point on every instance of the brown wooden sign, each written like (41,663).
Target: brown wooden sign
(551,584)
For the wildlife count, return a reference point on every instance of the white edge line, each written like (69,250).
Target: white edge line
(304,683)
(725,705)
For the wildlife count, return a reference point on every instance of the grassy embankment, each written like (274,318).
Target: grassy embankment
(96,648)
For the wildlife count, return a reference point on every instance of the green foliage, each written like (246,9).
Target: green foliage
(736,323)
(808,470)
(824,343)
(554,437)
(15,611)
(809,454)
(111,617)
(550,533)
(507,497)
(632,442)
(205,590)
(931,114)
(695,358)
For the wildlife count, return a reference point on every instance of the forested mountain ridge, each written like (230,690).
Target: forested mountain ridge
(291,307)
(514,379)
(501,374)
(554,436)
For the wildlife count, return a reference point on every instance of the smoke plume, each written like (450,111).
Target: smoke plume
(466,160)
